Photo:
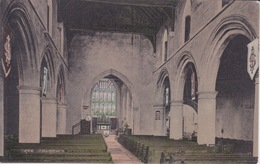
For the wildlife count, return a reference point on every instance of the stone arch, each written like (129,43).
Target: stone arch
(61,100)
(47,56)
(186,66)
(184,59)
(61,76)
(162,106)
(227,29)
(17,19)
(119,75)
(159,86)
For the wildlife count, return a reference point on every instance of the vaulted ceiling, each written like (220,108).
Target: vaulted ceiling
(131,16)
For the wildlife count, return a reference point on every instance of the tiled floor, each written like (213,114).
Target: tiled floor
(119,153)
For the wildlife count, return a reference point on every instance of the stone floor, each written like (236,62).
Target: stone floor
(118,152)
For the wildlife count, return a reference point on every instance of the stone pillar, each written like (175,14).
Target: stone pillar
(136,121)
(1,111)
(130,111)
(61,118)
(126,108)
(207,117)
(29,114)
(256,114)
(176,117)
(159,123)
(49,117)
(129,117)
(123,105)
(1,95)
(118,108)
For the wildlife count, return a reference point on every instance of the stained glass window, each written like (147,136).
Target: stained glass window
(103,98)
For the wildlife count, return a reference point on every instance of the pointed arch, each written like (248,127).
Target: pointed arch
(162,75)
(163,81)
(17,19)
(119,75)
(227,29)
(47,56)
(61,86)
(185,62)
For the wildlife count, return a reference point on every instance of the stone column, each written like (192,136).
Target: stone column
(1,95)
(118,108)
(123,105)
(61,118)
(176,117)
(207,117)
(159,124)
(126,108)
(136,121)
(1,111)
(256,114)
(49,117)
(29,114)
(130,111)
(129,117)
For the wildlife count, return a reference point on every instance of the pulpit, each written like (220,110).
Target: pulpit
(84,127)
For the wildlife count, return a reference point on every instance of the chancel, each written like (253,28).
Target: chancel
(129,81)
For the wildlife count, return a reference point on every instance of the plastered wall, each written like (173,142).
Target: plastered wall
(130,55)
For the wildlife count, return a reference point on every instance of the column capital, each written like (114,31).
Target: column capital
(158,106)
(49,100)
(207,94)
(62,105)
(177,103)
(23,89)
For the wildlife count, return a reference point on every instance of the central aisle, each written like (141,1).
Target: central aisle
(118,152)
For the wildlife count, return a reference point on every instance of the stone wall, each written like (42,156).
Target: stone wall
(93,53)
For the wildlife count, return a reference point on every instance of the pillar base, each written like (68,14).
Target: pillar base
(49,116)
(29,114)
(206,118)
(176,116)
(61,118)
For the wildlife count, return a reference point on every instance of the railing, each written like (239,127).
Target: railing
(76,128)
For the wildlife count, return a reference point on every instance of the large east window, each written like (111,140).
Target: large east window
(104,98)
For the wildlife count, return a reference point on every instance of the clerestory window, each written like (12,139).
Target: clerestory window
(187,28)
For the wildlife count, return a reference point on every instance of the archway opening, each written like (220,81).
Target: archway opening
(235,99)
(61,103)
(111,106)
(166,104)
(11,93)
(43,94)
(190,103)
